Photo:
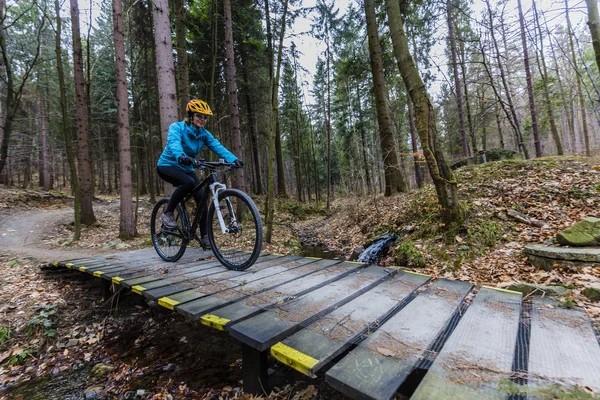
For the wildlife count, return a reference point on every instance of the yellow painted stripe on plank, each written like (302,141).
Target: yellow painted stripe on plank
(417,273)
(83,269)
(68,265)
(314,258)
(167,302)
(214,321)
(98,273)
(296,359)
(137,289)
(355,262)
(500,289)
(117,279)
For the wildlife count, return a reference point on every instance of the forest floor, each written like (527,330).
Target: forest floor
(60,339)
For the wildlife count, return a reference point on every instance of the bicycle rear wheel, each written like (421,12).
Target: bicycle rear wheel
(238,248)
(170,244)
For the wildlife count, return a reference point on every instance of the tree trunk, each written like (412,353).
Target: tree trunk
(537,140)
(236,135)
(165,70)
(44,170)
(457,87)
(413,144)
(394,181)
(441,174)
(66,126)
(281,189)
(274,89)
(127,228)
(544,74)
(584,125)
(183,91)
(594,25)
(83,147)
(510,111)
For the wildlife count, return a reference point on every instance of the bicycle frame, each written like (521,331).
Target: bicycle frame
(215,187)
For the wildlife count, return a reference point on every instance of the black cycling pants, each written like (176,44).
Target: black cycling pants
(184,183)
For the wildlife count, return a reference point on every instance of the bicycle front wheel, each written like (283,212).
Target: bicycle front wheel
(238,247)
(169,243)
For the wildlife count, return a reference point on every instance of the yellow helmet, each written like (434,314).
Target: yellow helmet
(198,106)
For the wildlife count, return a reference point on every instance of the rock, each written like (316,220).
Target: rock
(355,253)
(592,293)
(101,369)
(546,290)
(93,393)
(583,233)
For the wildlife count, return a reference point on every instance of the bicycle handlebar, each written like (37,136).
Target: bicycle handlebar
(212,165)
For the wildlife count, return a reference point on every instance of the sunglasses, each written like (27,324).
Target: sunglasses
(204,117)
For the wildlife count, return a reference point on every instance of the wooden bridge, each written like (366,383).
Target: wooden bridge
(371,330)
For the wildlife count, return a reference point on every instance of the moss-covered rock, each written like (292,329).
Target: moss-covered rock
(583,233)
(592,293)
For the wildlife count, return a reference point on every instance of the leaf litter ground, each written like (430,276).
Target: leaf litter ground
(552,193)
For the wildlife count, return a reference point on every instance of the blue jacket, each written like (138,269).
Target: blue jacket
(184,139)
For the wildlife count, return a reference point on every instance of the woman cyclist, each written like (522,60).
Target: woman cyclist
(185,141)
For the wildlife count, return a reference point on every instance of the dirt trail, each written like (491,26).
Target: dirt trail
(22,233)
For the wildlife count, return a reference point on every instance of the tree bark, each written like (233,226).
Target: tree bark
(236,135)
(594,25)
(441,174)
(83,146)
(127,228)
(537,140)
(165,69)
(183,92)
(394,181)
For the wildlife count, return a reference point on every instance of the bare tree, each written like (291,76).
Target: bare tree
(584,125)
(15,84)
(457,87)
(441,174)
(236,135)
(127,227)
(394,181)
(534,122)
(83,147)
(67,126)
(594,25)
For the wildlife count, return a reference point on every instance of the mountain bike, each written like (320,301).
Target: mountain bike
(234,226)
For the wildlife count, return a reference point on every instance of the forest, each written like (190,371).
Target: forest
(87,97)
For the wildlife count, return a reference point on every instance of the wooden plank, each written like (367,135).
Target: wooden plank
(312,348)
(257,271)
(190,275)
(170,272)
(264,330)
(563,351)
(132,271)
(313,271)
(264,300)
(63,263)
(189,301)
(476,361)
(377,367)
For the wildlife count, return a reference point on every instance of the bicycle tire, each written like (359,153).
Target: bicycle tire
(170,244)
(238,249)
